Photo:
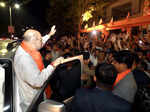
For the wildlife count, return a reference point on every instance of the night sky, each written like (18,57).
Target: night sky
(29,15)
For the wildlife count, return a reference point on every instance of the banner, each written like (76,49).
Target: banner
(11,29)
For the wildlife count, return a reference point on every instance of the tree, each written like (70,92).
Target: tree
(68,14)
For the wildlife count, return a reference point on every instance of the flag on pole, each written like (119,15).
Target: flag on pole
(100,21)
(94,24)
(111,21)
(128,15)
(86,26)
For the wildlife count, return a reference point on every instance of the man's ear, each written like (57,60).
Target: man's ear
(95,78)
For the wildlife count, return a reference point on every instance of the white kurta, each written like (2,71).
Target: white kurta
(28,76)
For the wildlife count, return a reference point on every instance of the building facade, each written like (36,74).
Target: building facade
(119,9)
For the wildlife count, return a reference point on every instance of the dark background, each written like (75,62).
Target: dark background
(31,15)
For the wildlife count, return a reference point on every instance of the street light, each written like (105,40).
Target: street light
(17,6)
(2,4)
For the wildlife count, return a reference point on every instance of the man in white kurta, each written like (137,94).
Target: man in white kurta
(29,78)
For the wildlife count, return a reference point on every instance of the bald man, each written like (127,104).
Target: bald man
(29,68)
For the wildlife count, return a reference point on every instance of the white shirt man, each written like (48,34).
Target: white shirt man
(29,78)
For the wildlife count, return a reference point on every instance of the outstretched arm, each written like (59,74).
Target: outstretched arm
(51,33)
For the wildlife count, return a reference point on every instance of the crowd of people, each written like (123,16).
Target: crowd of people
(128,53)
(98,47)
(114,68)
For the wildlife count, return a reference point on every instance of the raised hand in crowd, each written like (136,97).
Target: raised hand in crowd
(53,31)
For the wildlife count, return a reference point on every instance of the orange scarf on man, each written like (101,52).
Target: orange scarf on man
(38,60)
(120,76)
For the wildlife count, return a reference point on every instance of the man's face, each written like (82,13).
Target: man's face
(119,67)
(101,56)
(86,45)
(67,50)
(86,61)
(48,47)
(55,47)
(140,54)
(38,41)
(116,64)
(48,56)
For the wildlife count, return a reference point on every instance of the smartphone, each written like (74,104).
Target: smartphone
(140,42)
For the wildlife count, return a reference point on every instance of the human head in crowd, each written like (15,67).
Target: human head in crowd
(48,56)
(108,45)
(48,47)
(123,60)
(55,47)
(66,49)
(86,46)
(110,54)
(143,65)
(67,55)
(140,53)
(148,56)
(86,57)
(101,57)
(136,61)
(97,52)
(105,75)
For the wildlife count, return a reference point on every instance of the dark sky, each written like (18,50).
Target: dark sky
(31,14)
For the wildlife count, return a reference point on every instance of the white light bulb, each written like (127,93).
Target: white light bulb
(94,32)
(2,4)
(17,6)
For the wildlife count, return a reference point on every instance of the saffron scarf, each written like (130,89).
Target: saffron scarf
(120,76)
(36,56)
